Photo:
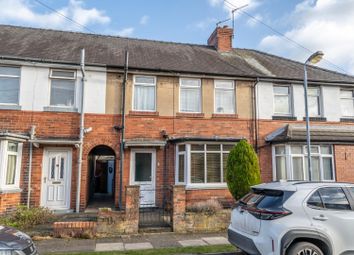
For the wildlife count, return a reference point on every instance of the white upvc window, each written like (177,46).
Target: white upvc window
(224,97)
(282,100)
(10,164)
(9,85)
(62,88)
(144,94)
(347,102)
(290,162)
(202,165)
(190,95)
(314,101)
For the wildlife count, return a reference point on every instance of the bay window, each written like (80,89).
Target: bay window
(10,164)
(9,85)
(144,93)
(202,164)
(224,97)
(62,89)
(290,162)
(190,95)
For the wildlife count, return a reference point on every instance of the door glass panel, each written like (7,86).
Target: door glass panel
(143,170)
(334,198)
(62,168)
(52,169)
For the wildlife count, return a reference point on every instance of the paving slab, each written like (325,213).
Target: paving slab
(216,240)
(138,246)
(195,242)
(109,247)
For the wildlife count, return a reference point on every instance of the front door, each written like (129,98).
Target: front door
(56,179)
(143,174)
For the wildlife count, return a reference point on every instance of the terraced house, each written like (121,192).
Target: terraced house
(185,107)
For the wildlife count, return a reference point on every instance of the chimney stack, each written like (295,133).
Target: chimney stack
(221,39)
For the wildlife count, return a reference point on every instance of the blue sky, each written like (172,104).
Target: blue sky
(315,24)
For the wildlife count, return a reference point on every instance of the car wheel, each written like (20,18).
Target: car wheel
(304,248)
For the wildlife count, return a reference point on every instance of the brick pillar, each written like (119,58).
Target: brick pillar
(132,199)
(179,208)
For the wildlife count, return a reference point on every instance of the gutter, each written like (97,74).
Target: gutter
(81,137)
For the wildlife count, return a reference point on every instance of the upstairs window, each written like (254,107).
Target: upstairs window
(9,85)
(347,102)
(10,164)
(314,101)
(282,100)
(224,97)
(190,95)
(62,89)
(144,93)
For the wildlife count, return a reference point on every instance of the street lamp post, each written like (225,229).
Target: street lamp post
(313,59)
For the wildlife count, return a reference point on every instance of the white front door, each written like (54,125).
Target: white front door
(56,179)
(143,168)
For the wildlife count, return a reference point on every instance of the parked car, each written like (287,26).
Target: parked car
(14,242)
(295,218)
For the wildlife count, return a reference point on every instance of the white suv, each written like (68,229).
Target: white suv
(295,218)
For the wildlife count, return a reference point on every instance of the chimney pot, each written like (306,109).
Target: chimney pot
(221,39)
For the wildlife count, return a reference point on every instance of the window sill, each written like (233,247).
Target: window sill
(279,117)
(10,191)
(316,119)
(206,186)
(347,119)
(222,115)
(13,107)
(189,115)
(59,109)
(143,113)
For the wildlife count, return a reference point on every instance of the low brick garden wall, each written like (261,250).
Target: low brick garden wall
(184,220)
(121,222)
(205,222)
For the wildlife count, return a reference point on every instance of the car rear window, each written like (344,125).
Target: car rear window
(270,200)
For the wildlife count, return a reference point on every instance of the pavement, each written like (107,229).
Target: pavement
(131,242)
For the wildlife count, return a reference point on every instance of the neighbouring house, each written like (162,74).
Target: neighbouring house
(186,106)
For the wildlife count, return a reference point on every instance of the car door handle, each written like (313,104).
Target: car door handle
(320,218)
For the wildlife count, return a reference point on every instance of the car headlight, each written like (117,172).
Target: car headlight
(11,252)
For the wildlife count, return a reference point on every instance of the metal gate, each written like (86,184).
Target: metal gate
(158,214)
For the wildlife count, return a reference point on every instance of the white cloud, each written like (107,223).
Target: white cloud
(144,20)
(325,25)
(253,22)
(125,32)
(21,12)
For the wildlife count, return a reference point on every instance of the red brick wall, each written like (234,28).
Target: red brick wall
(9,201)
(344,162)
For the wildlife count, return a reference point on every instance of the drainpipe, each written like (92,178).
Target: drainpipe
(121,151)
(255,117)
(29,189)
(81,138)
